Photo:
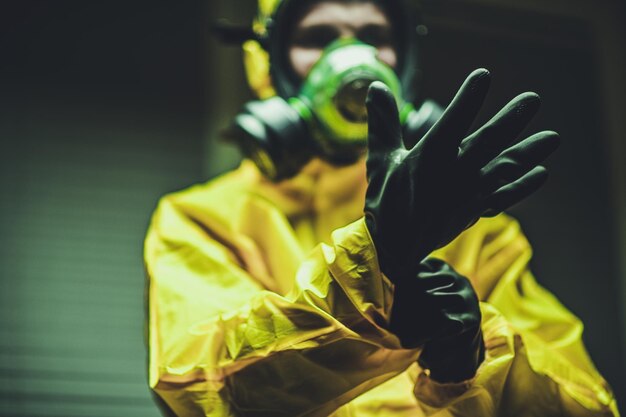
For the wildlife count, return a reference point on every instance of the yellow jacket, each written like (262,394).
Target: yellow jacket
(249,315)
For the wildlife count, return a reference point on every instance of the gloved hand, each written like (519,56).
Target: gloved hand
(439,310)
(420,199)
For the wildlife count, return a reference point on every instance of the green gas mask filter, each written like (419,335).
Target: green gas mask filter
(328,118)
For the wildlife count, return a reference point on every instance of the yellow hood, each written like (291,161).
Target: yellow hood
(255,58)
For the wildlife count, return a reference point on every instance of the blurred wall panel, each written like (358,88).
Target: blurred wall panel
(227,87)
(101,112)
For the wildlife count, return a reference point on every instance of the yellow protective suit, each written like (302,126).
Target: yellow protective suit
(250,316)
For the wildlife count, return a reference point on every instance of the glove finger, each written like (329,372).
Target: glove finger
(447,133)
(518,160)
(433,265)
(492,138)
(384,131)
(436,282)
(511,194)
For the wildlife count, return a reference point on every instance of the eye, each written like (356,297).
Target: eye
(315,37)
(375,35)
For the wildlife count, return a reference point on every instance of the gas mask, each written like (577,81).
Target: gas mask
(327,118)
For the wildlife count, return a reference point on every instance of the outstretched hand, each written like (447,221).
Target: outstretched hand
(420,199)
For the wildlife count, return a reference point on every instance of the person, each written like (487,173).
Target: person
(357,262)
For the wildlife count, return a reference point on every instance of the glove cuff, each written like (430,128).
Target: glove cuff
(455,359)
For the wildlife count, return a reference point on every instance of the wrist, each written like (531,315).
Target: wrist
(404,313)
(399,259)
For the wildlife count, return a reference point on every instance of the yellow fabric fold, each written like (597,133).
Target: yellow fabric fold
(214,327)
(248,318)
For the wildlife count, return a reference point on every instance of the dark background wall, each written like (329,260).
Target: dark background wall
(105,106)
(102,108)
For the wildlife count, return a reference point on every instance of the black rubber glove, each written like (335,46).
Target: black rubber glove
(439,310)
(420,199)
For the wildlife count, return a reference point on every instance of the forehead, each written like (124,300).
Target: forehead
(340,14)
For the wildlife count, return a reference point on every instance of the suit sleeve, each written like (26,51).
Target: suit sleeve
(222,344)
(536,363)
